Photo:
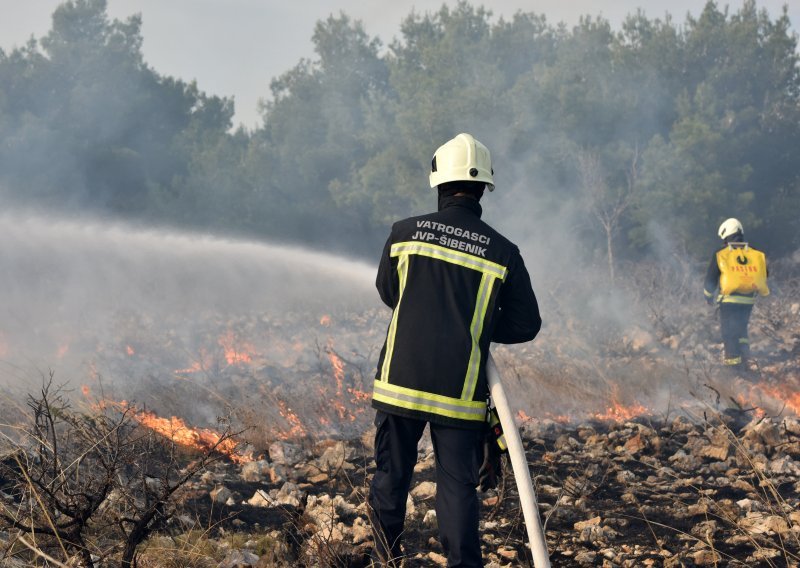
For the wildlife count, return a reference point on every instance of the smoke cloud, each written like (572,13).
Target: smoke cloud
(67,284)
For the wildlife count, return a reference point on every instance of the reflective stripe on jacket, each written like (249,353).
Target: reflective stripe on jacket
(454,284)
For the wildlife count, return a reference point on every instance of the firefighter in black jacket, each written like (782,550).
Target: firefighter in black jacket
(454,285)
(736,274)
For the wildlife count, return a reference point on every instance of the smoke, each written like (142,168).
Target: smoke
(602,341)
(67,284)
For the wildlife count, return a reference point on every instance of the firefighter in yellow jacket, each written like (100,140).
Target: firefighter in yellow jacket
(736,274)
(454,285)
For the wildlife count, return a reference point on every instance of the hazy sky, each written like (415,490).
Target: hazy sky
(234,47)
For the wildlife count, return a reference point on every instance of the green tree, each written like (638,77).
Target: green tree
(626,134)
(312,141)
(726,152)
(450,72)
(92,124)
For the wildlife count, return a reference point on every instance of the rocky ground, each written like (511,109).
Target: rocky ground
(644,452)
(717,489)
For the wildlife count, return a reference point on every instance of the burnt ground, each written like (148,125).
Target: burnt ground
(699,488)
(643,453)
(639,493)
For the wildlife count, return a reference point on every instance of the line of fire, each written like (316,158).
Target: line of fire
(340,386)
(260,422)
(192,399)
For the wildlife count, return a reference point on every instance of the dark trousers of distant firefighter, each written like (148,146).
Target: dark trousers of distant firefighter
(733,321)
(458,453)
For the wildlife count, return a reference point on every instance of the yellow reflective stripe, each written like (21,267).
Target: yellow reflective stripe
(402,272)
(501,442)
(707,294)
(736,299)
(732,361)
(744,340)
(417,399)
(449,255)
(475,329)
(428,402)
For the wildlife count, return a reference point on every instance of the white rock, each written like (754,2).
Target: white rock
(220,494)
(335,457)
(239,559)
(749,505)
(362,531)
(255,471)
(285,453)
(784,465)
(425,490)
(580,525)
(291,500)
(757,523)
(261,499)
(411,509)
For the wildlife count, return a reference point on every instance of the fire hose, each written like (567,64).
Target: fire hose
(519,463)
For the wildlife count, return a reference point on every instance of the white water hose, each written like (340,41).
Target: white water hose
(519,463)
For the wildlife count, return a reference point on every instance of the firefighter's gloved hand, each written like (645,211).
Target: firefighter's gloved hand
(491,468)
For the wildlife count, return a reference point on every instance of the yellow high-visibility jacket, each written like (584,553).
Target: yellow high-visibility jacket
(736,274)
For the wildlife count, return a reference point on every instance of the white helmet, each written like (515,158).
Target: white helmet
(462,159)
(730,227)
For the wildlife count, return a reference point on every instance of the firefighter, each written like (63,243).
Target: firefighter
(736,274)
(454,285)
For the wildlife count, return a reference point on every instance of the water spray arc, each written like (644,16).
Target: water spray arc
(68,283)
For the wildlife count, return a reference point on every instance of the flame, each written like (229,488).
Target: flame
(522,417)
(202,364)
(621,413)
(176,429)
(296,430)
(338,369)
(357,397)
(325,320)
(338,374)
(618,412)
(759,394)
(790,398)
(202,439)
(129,350)
(62,350)
(235,355)
(614,412)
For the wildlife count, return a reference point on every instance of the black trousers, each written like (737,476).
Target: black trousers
(458,453)
(733,321)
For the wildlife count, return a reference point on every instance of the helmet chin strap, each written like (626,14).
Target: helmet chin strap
(445,191)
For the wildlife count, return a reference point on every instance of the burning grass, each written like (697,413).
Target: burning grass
(621,479)
(702,488)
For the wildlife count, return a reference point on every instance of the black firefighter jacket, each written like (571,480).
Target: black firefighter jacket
(454,285)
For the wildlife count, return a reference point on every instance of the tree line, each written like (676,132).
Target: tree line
(653,132)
